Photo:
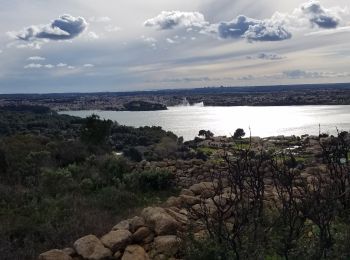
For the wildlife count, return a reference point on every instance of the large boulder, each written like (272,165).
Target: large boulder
(159,220)
(117,240)
(90,247)
(168,245)
(135,252)
(54,254)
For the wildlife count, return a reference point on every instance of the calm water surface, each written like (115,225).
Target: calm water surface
(186,121)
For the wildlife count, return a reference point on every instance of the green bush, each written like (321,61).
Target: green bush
(205,250)
(116,200)
(150,180)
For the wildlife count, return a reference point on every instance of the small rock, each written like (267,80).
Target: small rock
(117,240)
(54,254)
(90,247)
(135,252)
(118,255)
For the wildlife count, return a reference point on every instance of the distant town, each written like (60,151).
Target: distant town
(286,95)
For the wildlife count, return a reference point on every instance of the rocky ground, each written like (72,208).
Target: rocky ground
(157,232)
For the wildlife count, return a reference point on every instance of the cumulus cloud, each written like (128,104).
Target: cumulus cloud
(253,30)
(66,27)
(170,19)
(320,16)
(88,65)
(36,58)
(236,28)
(267,31)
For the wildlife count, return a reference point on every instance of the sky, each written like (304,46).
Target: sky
(50,46)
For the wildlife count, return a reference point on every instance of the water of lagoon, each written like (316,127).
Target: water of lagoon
(265,121)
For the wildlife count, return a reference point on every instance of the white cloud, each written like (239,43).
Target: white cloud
(49,66)
(36,58)
(93,35)
(171,19)
(101,19)
(171,41)
(88,65)
(152,42)
(61,65)
(111,28)
(33,66)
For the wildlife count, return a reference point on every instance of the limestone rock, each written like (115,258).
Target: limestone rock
(189,200)
(117,255)
(54,254)
(135,252)
(168,245)
(122,225)
(187,192)
(141,234)
(180,217)
(201,187)
(117,240)
(135,223)
(173,202)
(69,251)
(90,247)
(158,219)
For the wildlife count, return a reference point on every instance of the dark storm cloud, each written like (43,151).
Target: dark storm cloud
(66,27)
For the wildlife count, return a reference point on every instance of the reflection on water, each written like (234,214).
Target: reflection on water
(186,121)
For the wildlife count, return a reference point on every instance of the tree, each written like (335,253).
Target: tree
(95,131)
(207,134)
(239,133)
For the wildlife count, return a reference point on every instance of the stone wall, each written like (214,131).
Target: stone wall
(155,234)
